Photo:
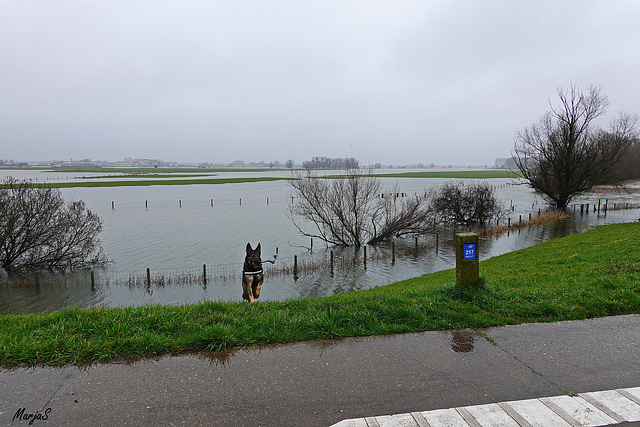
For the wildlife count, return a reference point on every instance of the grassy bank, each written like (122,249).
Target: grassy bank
(593,274)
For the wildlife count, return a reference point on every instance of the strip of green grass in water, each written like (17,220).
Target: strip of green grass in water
(149,176)
(588,275)
(160,182)
(481,174)
(151,170)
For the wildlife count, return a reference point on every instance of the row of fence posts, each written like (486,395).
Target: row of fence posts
(295,263)
(146,203)
(596,207)
(295,259)
(393,244)
(583,206)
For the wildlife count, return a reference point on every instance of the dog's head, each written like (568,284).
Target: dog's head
(253,256)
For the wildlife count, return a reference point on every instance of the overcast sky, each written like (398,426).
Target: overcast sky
(391,82)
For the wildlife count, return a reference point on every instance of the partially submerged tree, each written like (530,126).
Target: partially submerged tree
(351,210)
(466,204)
(564,154)
(39,231)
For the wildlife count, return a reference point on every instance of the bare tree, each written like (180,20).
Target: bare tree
(460,203)
(351,210)
(38,230)
(564,154)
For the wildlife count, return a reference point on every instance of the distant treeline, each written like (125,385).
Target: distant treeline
(331,163)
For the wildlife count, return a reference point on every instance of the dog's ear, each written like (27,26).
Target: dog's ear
(258,248)
(249,247)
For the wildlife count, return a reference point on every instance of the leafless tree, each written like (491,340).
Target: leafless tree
(352,210)
(564,154)
(460,203)
(39,231)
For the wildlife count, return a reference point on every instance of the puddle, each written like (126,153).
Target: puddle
(463,341)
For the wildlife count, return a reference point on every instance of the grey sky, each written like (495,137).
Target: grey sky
(395,82)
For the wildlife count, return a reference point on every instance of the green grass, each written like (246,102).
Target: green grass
(160,182)
(474,174)
(150,176)
(150,170)
(593,274)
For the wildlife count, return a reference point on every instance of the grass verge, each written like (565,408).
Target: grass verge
(588,275)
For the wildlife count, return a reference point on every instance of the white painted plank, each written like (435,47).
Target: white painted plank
(618,403)
(582,411)
(356,422)
(445,418)
(491,415)
(400,420)
(631,393)
(537,414)
(635,391)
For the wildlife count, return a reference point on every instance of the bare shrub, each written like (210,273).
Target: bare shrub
(350,210)
(39,231)
(459,203)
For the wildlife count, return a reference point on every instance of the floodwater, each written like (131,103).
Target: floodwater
(175,230)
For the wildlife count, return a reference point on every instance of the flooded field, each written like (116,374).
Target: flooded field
(175,230)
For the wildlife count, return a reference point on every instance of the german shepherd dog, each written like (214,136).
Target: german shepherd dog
(252,275)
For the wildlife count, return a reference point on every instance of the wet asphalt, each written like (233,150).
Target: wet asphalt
(321,383)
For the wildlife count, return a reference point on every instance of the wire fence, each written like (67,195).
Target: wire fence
(338,261)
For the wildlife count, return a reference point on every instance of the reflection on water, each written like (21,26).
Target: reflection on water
(183,227)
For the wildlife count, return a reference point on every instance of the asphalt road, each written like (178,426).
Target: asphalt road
(318,384)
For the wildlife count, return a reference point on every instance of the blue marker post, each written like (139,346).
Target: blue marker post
(467,262)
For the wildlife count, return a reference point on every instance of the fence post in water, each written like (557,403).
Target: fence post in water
(267,200)
(93,281)
(437,241)
(211,202)
(180,201)
(393,252)
(113,206)
(331,261)
(146,204)
(148,277)
(509,222)
(204,274)
(295,265)
(364,257)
